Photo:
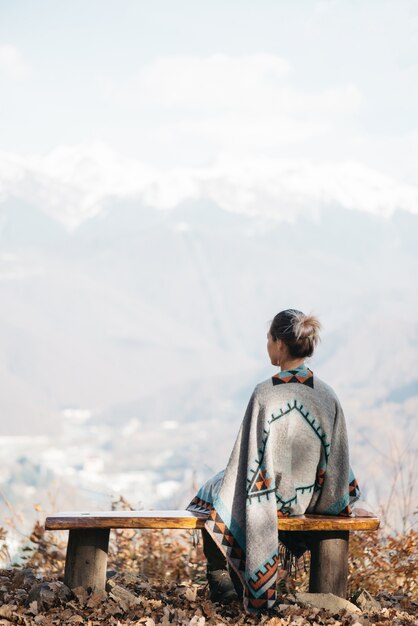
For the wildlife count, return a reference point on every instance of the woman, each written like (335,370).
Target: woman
(290,458)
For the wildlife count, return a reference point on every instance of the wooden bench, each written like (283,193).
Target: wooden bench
(88,541)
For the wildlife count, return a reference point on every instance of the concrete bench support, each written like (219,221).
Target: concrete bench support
(86,561)
(329,562)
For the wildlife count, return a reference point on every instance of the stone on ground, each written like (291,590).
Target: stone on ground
(49,594)
(327,601)
(365,601)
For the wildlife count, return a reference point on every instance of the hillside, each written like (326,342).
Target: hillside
(129,346)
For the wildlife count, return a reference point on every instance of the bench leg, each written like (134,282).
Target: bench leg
(86,562)
(329,563)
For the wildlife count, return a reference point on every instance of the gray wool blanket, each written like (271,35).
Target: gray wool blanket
(290,457)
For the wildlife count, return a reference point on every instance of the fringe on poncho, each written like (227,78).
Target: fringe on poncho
(290,457)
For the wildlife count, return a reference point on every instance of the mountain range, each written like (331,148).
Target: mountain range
(161,317)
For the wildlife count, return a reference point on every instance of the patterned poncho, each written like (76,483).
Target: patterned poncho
(290,458)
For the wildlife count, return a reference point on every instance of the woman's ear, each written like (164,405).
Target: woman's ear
(282,351)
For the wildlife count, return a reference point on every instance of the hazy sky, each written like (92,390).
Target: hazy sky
(169,100)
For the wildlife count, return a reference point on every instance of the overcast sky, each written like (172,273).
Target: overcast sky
(249,103)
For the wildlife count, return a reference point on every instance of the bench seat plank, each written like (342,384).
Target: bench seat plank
(88,539)
(186,519)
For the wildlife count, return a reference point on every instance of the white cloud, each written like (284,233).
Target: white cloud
(12,63)
(231,102)
(73,183)
(209,84)
(221,83)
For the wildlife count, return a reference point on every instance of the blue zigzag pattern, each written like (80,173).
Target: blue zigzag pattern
(316,427)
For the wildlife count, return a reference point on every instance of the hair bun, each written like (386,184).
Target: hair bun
(306,327)
(300,332)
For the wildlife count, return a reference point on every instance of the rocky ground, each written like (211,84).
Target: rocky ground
(157,578)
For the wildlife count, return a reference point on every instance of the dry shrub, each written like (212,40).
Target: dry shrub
(378,563)
(165,554)
(47,553)
(384,563)
(4,551)
(168,554)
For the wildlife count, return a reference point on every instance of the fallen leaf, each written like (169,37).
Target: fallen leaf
(7,610)
(33,607)
(81,595)
(208,609)
(76,619)
(191,594)
(96,599)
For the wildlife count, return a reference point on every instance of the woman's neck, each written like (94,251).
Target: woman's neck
(291,364)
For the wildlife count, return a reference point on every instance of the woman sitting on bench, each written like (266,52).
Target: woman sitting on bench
(290,458)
